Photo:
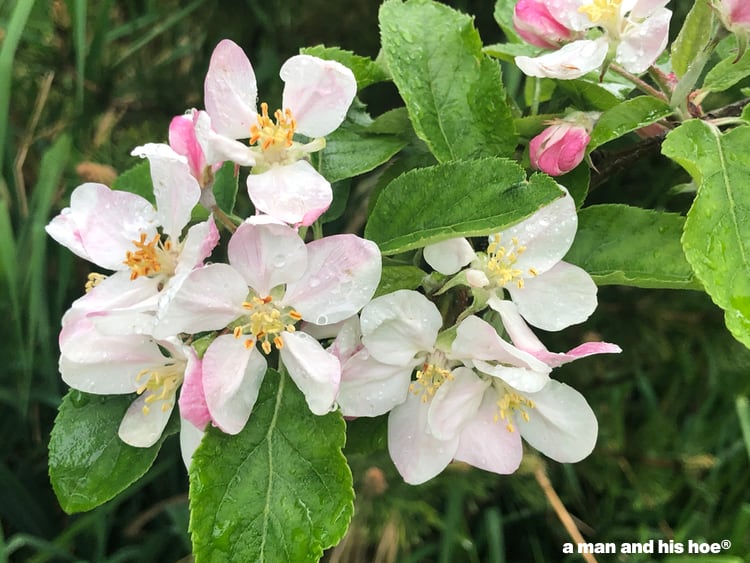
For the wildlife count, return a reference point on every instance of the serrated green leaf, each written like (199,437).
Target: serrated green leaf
(136,180)
(727,73)
(226,184)
(351,150)
(398,277)
(88,463)
(456,199)
(452,90)
(619,244)
(626,117)
(503,14)
(693,37)
(280,490)
(716,238)
(365,70)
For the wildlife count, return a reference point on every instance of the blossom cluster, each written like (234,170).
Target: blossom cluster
(181,330)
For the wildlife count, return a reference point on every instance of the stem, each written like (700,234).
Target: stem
(535,98)
(223,218)
(640,84)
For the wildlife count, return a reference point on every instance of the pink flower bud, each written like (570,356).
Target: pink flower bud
(734,14)
(559,148)
(536,25)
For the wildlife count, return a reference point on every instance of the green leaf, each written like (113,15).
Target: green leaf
(716,239)
(503,14)
(452,90)
(693,37)
(577,182)
(619,244)
(626,117)
(727,73)
(365,70)
(136,180)
(225,187)
(351,150)
(366,435)
(398,277)
(280,490)
(340,199)
(509,51)
(88,463)
(589,95)
(456,199)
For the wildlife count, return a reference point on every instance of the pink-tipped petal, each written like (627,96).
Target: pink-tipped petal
(267,255)
(230,91)
(342,274)
(642,43)
(192,400)
(232,375)
(318,92)
(294,193)
(199,243)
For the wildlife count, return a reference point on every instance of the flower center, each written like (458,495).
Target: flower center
(501,260)
(510,402)
(265,323)
(150,258)
(429,379)
(161,383)
(601,10)
(270,135)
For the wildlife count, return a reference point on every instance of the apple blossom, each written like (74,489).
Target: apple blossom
(559,148)
(526,261)
(273,281)
(317,95)
(535,24)
(635,32)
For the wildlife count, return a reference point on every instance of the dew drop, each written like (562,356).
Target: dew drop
(279,261)
(314,282)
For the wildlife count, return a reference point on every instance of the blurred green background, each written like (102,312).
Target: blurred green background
(82,83)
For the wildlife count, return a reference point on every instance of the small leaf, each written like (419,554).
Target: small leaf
(626,117)
(397,277)
(727,73)
(577,182)
(503,14)
(509,51)
(456,199)
(452,90)
(136,180)
(589,95)
(351,150)
(619,244)
(365,70)
(225,187)
(716,239)
(88,463)
(280,490)
(693,37)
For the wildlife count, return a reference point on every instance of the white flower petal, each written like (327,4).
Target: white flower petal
(200,241)
(232,375)
(175,188)
(318,92)
(449,256)
(218,148)
(316,372)
(267,255)
(294,193)
(455,403)
(416,453)
(207,298)
(369,387)
(190,439)
(642,43)
(556,299)
(143,429)
(487,444)
(561,425)
(230,91)
(573,60)
(399,325)
(342,274)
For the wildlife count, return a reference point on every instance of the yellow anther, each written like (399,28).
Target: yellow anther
(162,383)
(266,321)
(510,402)
(278,342)
(145,260)
(266,347)
(601,10)
(533,272)
(429,379)
(94,279)
(501,261)
(237,331)
(249,343)
(269,134)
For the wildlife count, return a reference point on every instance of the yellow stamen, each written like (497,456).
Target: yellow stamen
(162,382)
(94,279)
(145,260)
(429,380)
(269,134)
(266,321)
(501,261)
(510,402)
(601,10)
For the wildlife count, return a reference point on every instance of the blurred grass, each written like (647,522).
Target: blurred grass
(87,81)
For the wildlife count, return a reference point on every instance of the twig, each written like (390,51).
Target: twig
(562,513)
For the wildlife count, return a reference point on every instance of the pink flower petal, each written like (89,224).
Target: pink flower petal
(199,243)
(318,92)
(232,375)
(230,91)
(294,193)
(192,400)
(342,274)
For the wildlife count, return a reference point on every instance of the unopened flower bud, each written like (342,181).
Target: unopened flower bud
(536,25)
(735,15)
(559,148)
